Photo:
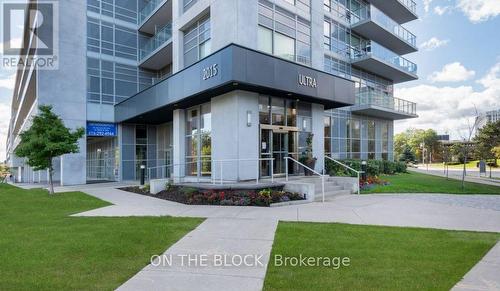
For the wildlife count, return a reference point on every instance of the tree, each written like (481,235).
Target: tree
(407,155)
(486,139)
(467,138)
(496,152)
(46,139)
(4,173)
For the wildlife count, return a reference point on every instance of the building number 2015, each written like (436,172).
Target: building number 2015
(210,72)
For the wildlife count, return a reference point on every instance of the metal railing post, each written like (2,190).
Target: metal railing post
(358,185)
(221,173)
(272,170)
(323,186)
(286,168)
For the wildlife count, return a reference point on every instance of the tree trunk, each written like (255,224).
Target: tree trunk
(51,183)
(463,173)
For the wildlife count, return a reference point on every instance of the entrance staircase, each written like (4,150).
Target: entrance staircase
(334,186)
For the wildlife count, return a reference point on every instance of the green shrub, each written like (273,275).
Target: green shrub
(373,167)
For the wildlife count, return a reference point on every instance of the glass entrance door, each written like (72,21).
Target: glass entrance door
(277,143)
(279,152)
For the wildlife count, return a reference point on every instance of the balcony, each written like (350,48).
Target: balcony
(384,62)
(401,11)
(376,104)
(154,14)
(157,51)
(373,24)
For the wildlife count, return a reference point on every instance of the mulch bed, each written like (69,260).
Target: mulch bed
(195,196)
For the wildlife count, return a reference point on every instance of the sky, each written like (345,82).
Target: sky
(458,67)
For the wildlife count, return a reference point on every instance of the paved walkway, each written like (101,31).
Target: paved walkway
(225,244)
(485,275)
(240,231)
(456,212)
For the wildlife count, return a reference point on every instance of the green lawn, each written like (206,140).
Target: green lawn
(381,258)
(42,248)
(422,183)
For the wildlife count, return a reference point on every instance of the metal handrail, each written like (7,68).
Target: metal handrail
(312,170)
(243,160)
(347,167)
(167,167)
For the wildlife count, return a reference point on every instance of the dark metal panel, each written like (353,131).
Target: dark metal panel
(237,68)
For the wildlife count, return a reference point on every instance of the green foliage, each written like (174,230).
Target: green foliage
(46,139)
(408,155)
(486,139)
(307,155)
(414,138)
(4,173)
(373,167)
(496,151)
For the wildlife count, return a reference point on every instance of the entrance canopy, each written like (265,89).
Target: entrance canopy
(235,68)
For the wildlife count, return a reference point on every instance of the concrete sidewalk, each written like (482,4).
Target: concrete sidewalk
(239,231)
(444,211)
(485,275)
(213,240)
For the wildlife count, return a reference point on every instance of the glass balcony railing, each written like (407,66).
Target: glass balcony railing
(148,9)
(380,52)
(385,101)
(159,39)
(410,4)
(377,16)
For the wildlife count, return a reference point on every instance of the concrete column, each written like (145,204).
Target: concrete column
(179,142)
(318,128)
(233,138)
(317,35)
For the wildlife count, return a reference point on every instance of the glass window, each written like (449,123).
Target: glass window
(199,141)
(283,33)
(278,111)
(291,113)
(197,44)
(328,126)
(264,110)
(284,46)
(265,40)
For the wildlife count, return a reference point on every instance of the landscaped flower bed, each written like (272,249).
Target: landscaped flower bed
(371,182)
(226,197)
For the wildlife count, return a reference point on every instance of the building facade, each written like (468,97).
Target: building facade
(492,116)
(227,89)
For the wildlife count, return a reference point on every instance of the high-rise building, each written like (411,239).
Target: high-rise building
(204,88)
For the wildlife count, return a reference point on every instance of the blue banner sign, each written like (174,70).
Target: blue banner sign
(101,129)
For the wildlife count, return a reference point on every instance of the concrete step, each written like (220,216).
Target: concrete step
(330,195)
(328,187)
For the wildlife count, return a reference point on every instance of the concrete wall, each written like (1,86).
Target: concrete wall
(65,89)
(179,142)
(232,138)
(318,129)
